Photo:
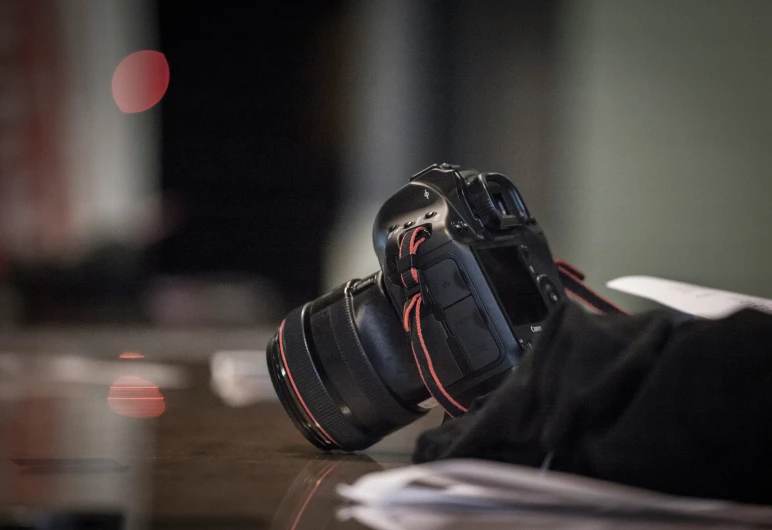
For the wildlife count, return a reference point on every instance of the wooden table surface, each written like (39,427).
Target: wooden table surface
(210,465)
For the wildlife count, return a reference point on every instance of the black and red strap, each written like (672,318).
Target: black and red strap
(410,277)
(406,265)
(571,277)
(423,359)
(411,320)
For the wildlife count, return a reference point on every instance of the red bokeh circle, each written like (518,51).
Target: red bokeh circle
(140,81)
(136,398)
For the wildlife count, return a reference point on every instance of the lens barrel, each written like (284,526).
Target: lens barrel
(343,368)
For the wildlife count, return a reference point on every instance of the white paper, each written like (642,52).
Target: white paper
(241,377)
(692,299)
(451,493)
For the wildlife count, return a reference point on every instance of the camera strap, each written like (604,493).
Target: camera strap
(411,281)
(571,278)
(410,276)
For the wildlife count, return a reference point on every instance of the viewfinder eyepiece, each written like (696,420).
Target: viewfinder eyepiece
(496,201)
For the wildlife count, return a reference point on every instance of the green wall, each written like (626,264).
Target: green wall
(664,155)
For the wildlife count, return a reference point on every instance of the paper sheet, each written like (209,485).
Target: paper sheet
(454,493)
(685,297)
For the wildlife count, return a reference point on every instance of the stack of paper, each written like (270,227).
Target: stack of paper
(486,495)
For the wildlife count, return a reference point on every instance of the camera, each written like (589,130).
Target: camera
(466,280)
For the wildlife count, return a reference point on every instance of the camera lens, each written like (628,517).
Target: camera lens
(343,368)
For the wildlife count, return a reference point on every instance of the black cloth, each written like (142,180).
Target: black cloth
(684,408)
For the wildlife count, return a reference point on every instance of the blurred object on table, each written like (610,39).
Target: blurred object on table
(213,300)
(67,459)
(241,378)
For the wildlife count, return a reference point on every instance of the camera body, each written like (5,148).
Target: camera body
(466,280)
(488,278)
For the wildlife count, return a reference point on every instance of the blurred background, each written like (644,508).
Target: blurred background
(185,164)
(175,176)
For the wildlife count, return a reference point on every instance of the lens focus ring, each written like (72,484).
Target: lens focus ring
(384,409)
(307,379)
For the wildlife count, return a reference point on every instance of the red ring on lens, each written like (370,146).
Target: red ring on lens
(295,388)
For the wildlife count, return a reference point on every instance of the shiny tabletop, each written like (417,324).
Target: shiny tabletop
(204,463)
(221,467)
(134,435)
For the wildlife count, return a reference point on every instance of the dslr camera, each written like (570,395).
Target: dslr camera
(466,280)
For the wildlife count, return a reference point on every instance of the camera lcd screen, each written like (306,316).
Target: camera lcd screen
(513,284)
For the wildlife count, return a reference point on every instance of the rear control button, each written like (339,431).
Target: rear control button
(549,289)
(429,215)
(409,224)
(393,227)
(460,226)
